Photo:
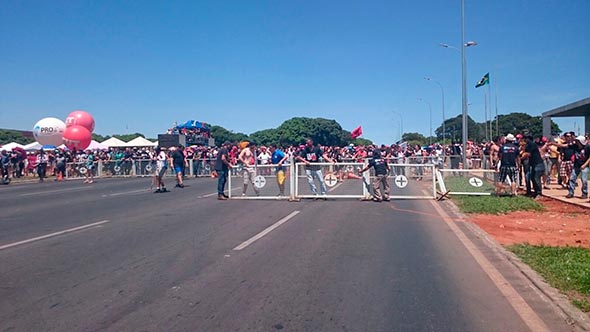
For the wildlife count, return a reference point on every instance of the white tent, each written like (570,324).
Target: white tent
(94,145)
(35,146)
(10,146)
(113,142)
(141,142)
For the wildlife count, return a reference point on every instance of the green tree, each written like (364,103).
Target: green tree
(265,137)
(414,138)
(522,123)
(221,135)
(8,136)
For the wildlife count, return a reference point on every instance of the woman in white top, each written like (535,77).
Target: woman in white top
(161,167)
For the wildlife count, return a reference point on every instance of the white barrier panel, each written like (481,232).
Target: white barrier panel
(331,180)
(261,181)
(411,181)
(468,182)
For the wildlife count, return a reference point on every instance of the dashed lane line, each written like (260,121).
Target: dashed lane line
(43,237)
(266,231)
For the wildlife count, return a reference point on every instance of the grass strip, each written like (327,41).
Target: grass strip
(565,268)
(495,204)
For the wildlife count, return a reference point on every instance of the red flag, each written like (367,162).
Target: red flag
(357,132)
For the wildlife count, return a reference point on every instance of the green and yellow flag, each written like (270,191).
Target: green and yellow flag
(484,80)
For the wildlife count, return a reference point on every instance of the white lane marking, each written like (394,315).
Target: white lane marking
(266,231)
(10,245)
(526,313)
(54,191)
(127,192)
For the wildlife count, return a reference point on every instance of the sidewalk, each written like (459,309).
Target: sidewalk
(557,192)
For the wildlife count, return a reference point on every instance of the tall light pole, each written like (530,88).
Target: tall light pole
(464,45)
(430,115)
(401,124)
(442,90)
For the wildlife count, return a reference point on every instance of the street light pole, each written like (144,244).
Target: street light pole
(464,85)
(430,115)
(442,90)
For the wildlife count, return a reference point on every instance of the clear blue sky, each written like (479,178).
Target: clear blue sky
(139,66)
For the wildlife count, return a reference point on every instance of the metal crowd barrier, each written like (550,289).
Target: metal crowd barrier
(262,182)
(467,181)
(341,180)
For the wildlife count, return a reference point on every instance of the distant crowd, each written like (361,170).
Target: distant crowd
(559,159)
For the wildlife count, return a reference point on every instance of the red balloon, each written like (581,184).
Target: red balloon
(80,118)
(77,137)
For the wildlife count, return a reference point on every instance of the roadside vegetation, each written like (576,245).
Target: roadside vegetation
(495,205)
(565,268)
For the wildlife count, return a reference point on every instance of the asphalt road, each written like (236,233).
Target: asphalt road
(167,262)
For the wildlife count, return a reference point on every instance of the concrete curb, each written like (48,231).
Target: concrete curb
(562,305)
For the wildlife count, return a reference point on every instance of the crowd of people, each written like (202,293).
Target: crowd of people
(521,160)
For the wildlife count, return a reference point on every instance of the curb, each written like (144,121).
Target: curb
(572,315)
(563,200)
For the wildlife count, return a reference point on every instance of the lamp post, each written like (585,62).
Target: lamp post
(430,115)
(442,90)
(401,124)
(463,80)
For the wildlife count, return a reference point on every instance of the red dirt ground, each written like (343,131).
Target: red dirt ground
(561,224)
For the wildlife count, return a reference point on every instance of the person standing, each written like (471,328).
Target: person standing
(379,163)
(41,164)
(536,166)
(278,157)
(178,162)
(508,161)
(89,167)
(310,155)
(581,160)
(60,166)
(161,168)
(248,160)
(222,166)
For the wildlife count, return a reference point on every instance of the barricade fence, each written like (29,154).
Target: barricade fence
(331,180)
(261,182)
(467,182)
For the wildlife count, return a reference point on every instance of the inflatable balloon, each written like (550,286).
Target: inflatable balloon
(80,118)
(49,131)
(77,137)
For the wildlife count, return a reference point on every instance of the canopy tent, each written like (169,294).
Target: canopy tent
(140,142)
(35,146)
(94,145)
(192,124)
(114,142)
(10,146)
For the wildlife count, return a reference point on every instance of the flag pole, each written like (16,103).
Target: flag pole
(496,97)
(490,103)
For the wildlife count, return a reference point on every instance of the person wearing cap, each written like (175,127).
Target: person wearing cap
(508,160)
(222,166)
(248,159)
(580,167)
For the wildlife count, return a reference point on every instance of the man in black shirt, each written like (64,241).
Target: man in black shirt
(379,163)
(508,159)
(580,163)
(536,166)
(222,166)
(178,162)
(311,155)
